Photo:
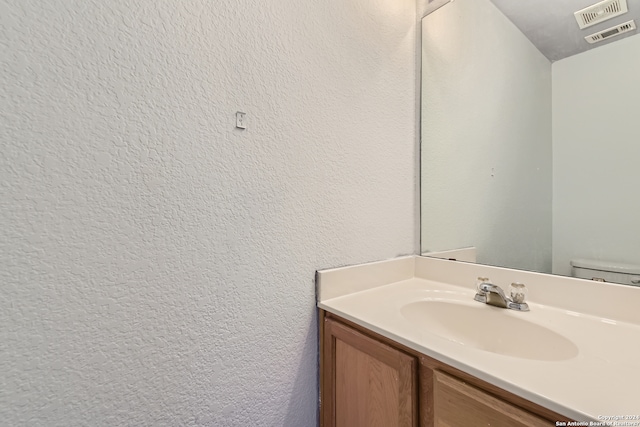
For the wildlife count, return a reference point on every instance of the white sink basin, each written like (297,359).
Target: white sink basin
(489,328)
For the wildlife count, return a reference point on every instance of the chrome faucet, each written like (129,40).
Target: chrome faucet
(491,294)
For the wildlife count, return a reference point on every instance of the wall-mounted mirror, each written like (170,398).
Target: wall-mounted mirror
(531,137)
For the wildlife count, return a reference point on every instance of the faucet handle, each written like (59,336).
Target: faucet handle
(481,281)
(518,292)
(481,294)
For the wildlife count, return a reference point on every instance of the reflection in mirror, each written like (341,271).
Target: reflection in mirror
(531,162)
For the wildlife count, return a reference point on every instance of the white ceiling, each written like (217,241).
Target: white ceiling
(552,28)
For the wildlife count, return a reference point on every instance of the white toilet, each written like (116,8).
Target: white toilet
(606,271)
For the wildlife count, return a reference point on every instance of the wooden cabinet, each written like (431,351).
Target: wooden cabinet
(369,383)
(367,380)
(457,403)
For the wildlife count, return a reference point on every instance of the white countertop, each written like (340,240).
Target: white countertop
(601,379)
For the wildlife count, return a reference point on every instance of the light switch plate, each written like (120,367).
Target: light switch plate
(241,120)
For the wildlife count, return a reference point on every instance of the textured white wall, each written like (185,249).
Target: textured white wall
(421,7)
(596,153)
(428,6)
(158,264)
(486,138)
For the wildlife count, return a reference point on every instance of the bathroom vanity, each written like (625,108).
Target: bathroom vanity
(403,343)
(370,380)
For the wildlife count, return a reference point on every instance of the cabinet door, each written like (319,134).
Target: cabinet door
(366,383)
(458,404)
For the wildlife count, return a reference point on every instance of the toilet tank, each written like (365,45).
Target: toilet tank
(615,272)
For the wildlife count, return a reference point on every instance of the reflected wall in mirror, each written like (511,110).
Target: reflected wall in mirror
(531,162)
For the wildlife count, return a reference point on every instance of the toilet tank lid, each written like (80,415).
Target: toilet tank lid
(617,267)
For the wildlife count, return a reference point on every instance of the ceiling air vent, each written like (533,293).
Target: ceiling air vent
(599,12)
(611,32)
